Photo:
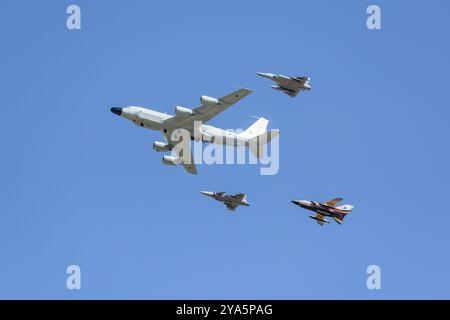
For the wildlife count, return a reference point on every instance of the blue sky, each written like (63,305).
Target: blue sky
(81,186)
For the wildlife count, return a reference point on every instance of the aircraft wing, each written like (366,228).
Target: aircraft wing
(204,113)
(320,219)
(301,79)
(288,82)
(189,167)
(333,202)
(231,206)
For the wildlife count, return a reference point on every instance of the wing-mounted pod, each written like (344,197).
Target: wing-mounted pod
(284,90)
(171,160)
(319,219)
(181,111)
(209,101)
(161,146)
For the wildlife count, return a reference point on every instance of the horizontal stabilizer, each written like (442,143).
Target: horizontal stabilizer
(257,143)
(345,207)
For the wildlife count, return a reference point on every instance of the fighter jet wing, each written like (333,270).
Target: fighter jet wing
(292,84)
(320,219)
(333,202)
(241,196)
(206,112)
(301,79)
(231,206)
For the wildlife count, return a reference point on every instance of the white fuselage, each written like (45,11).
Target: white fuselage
(154,120)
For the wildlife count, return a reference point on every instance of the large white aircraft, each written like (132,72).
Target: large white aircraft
(254,137)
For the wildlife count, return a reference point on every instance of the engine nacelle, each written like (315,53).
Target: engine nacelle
(208,101)
(161,146)
(181,111)
(171,161)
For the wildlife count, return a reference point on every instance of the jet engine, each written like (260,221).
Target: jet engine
(208,101)
(171,161)
(181,111)
(161,146)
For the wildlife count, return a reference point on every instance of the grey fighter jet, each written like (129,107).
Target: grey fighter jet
(326,209)
(289,85)
(231,201)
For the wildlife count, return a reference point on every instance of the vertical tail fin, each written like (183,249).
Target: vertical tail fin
(346,207)
(258,137)
(256,129)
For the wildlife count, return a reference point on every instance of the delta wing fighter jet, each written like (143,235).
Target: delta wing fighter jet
(231,201)
(254,137)
(326,209)
(289,85)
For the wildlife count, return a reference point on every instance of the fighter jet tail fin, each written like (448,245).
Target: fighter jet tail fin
(257,143)
(347,208)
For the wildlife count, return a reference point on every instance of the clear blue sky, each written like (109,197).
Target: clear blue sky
(81,186)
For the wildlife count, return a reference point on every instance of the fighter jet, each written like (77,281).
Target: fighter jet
(231,201)
(289,85)
(326,209)
(254,137)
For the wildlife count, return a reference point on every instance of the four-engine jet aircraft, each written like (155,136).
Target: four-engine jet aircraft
(327,209)
(289,85)
(254,137)
(210,107)
(231,201)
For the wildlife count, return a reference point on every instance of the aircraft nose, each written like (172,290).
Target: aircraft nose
(265,75)
(117,111)
(300,202)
